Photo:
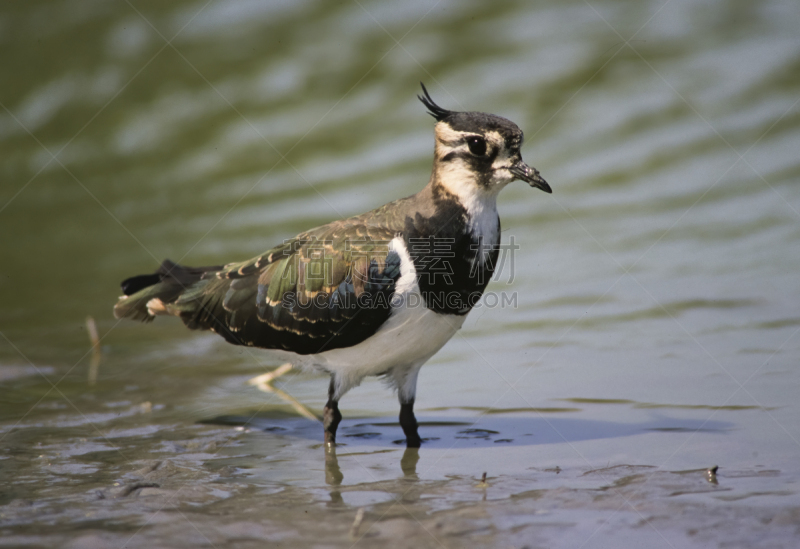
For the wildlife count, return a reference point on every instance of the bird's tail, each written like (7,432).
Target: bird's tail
(145,296)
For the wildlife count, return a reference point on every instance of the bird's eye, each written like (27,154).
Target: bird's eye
(477,145)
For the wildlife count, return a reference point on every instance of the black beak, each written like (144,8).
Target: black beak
(530,176)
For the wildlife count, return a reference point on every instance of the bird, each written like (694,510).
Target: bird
(376,294)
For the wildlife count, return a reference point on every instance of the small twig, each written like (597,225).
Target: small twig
(94,339)
(264,383)
(357,522)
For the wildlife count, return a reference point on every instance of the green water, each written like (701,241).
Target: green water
(654,316)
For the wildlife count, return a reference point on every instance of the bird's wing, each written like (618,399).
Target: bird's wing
(328,288)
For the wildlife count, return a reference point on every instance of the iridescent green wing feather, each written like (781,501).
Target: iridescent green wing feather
(328,288)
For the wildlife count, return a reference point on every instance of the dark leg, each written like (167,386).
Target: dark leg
(409,424)
(331,417)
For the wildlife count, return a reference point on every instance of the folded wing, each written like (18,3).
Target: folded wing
(328,288)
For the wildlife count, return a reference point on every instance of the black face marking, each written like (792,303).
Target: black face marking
(514,141)
(482,167)
(477,145)
(479,157)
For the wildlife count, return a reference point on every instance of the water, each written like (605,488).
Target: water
(653,330)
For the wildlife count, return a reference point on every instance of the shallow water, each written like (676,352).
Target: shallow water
(650,329)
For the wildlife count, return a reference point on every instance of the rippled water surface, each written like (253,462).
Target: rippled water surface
(650,328)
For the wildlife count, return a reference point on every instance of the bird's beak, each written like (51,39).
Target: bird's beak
(529,175)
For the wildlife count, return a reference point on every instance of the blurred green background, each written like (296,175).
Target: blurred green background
(663,269)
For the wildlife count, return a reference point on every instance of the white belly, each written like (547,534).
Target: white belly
(412,334)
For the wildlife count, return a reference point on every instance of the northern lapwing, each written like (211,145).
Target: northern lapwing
(375,294)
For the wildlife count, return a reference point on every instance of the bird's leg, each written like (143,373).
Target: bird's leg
(330,421)
(409,424)
(331,416)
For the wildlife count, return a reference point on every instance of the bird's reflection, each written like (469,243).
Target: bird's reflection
(334,476)
(333,473)
(408,463)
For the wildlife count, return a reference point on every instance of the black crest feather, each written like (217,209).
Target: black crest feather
(433,109)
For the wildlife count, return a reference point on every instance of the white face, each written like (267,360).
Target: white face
(480,160)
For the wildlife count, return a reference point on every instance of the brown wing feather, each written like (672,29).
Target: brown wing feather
(326,289)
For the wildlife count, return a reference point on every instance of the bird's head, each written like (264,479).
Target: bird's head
(478,149)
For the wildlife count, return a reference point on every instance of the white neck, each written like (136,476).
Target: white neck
(480,203)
